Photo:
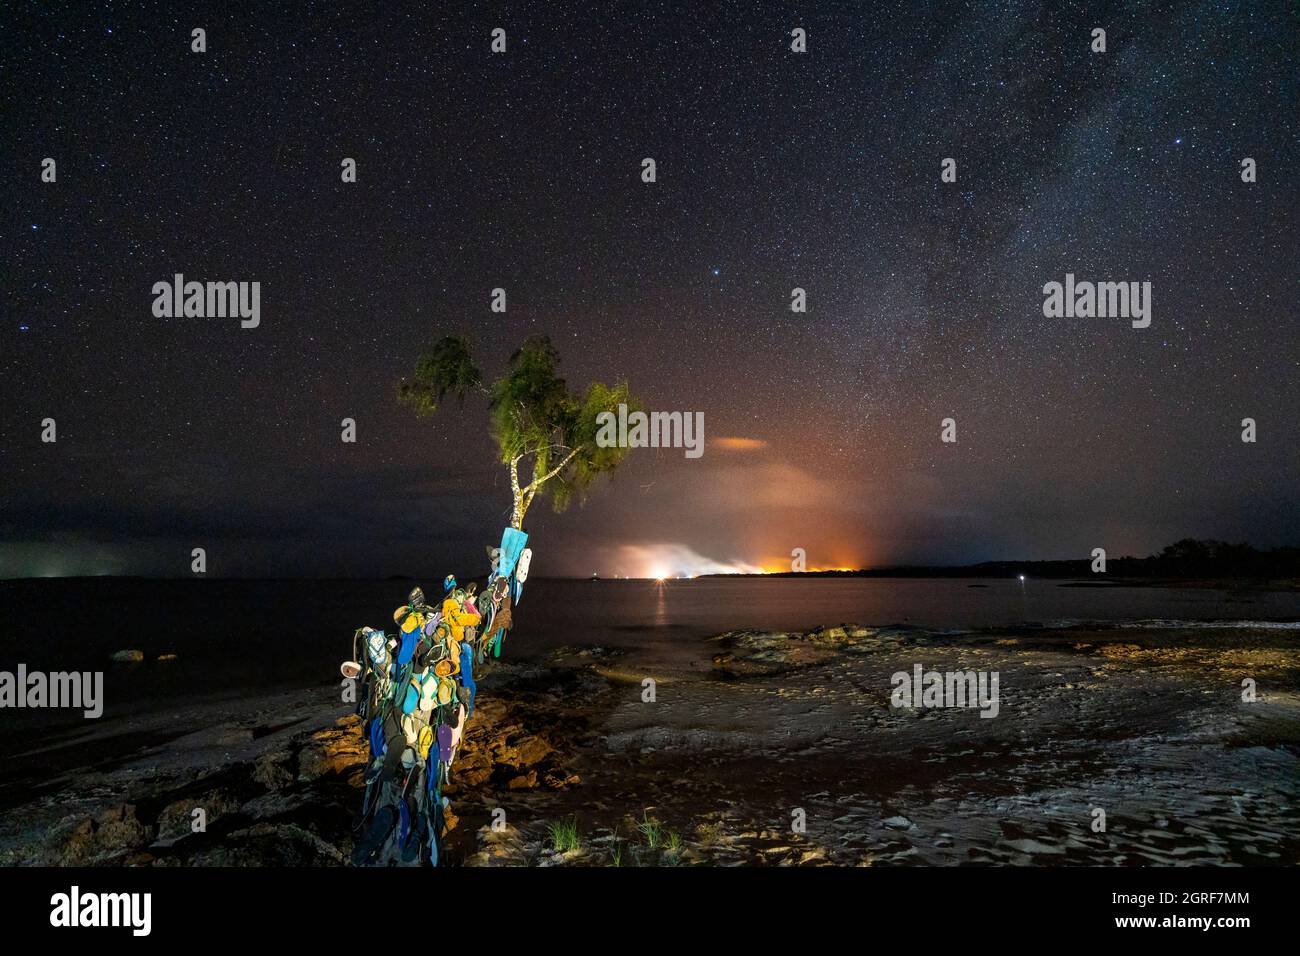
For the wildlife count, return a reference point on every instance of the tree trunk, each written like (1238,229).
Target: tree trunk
(517,513)
(524,496)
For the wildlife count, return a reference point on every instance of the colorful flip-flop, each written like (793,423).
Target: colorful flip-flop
(425,742)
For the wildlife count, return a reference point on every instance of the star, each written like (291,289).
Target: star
(922,294)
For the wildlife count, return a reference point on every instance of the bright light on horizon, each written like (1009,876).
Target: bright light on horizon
(660,562)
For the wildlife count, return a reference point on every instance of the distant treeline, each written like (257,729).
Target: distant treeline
(1189,558)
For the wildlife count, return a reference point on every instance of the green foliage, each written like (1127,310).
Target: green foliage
(445,369)
(564,835)
(531,407)
(534,417)
(651,830)
(592,461)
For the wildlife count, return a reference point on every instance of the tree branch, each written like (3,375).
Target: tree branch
(537,482)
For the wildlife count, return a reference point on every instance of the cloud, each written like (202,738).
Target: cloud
(735,443)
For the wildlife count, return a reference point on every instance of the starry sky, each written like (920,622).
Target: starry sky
(522,170)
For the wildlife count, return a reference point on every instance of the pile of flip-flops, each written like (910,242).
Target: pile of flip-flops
(416,692)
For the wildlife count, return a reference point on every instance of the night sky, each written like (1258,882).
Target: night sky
(522,170)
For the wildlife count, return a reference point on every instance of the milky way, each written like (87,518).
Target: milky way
(775,170)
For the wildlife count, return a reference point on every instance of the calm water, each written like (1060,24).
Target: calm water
(235,635)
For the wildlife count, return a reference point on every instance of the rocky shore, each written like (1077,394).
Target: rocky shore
(756,748)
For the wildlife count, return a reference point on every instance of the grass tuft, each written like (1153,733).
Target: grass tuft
(651,830)
(564,835)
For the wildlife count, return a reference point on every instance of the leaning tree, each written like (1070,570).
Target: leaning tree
(536,421)
(420,686)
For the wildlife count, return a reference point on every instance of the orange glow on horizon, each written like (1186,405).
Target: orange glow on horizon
(778,566)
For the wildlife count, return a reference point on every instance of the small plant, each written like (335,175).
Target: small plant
(652,830)
(617,859)
(564,835)
(673,842)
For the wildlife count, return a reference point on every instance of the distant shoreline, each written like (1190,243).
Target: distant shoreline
(1074,577)
(1032,571)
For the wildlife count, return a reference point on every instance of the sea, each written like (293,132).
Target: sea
(230,636)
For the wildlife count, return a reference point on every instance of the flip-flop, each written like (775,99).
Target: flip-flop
(380,827)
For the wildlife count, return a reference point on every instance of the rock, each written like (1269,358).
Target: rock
(271,844)
(223,735)
(68,842)
(270,771)
(81,840)
(127,657)
(1120,650)
(898,823)
(332,751)
(530,751)
(177,819)
(1034,847)
(117,830)
(471,769)
(271,805)
(526,781)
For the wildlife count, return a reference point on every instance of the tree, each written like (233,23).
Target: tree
(534,418)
